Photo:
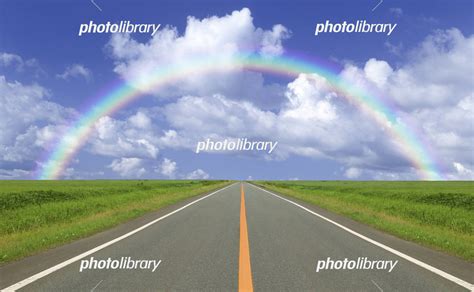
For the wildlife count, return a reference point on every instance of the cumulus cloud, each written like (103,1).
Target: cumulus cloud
(315,121)
(462,172)
(223,37)
(76,71)
(198,114)
(311,119)
(416,84)
(438,104)
(133,137)
(28,121)
(377,71)
(128,166)
(17,62)
(168,168)
(197,174)
(172,139)
(308,118)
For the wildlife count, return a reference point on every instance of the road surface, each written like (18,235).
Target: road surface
(240,238)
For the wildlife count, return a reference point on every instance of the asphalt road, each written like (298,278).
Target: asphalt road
(242,237)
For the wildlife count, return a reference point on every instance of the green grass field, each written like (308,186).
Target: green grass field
(439,215)
(37,215)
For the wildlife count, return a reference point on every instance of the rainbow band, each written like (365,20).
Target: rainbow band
(69,144)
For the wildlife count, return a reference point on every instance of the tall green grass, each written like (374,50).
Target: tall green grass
(436,214)
(36,215)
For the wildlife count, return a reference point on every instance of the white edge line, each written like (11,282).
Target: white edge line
(430,268)
(46,272)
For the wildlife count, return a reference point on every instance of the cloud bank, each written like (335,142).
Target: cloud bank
(431,90)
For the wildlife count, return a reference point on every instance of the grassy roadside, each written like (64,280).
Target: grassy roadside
(37,215)
(439,215)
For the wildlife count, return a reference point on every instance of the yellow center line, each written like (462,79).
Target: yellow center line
(245,272)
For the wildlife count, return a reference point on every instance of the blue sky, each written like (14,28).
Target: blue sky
(425,67)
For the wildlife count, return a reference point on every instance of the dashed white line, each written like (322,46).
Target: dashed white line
(426,266)
(59,266)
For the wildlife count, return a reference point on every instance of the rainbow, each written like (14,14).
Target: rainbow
(409,142)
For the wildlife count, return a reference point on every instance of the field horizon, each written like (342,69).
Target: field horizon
(42,214)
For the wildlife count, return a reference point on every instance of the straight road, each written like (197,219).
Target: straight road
(242,238)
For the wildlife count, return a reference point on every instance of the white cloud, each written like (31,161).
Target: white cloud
(133,137)
(311,119)
(462,172)
(76,71)
(172,139)
(352,173)
(450,129)
(316,121)
(168,168)
(7,59)
(377,71)
(197,174)
(421,83)
(272,41)
(140,120)
(417,84)
(438,104)
(396,11)
(14,174)
(28,121)
(218,116)
(128,167)
(223,37)
(13,60)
